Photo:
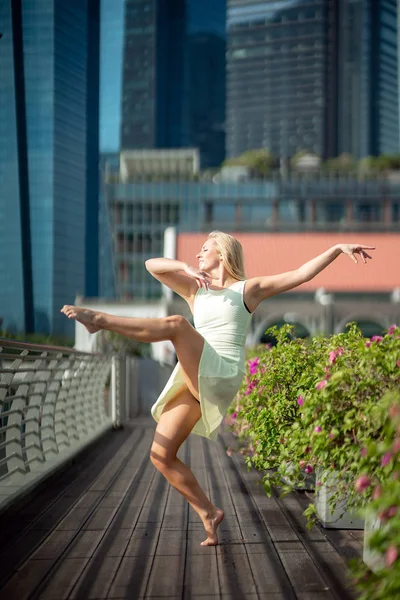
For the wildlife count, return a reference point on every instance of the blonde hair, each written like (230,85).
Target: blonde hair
(232,253)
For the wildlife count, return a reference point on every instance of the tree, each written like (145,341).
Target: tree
(304,160)
(344,163)
(261,161)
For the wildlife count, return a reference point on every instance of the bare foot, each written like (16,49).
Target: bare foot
(83,315)
(210,526)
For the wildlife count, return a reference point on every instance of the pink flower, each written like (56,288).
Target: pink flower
(367,344)
(362,483)
(396,446)
(300,400)
(321,384)
(234,415)
(386,458)
(319,483)
(394,411)
(377,492)
(318,429)
(332,357)
(392,329)
(251,385)
(388,513)
(253,365)
(376,338)
(331,436)
(308,469)
(229,452)
(391,555)
(339,351)
(302,463)
(364,452)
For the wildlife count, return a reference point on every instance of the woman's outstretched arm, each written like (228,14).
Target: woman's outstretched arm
(260,288)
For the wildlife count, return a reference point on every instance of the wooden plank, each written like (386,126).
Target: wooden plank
(344,543)
(89,587)
(100,518)
(201,572)
(24,581)
(131,578)
(62,579)
(301,570)
(117,545)
(143,540)
(171,542)
(235,575)
(54,545)
(85,544)
(153,510)
(166,576)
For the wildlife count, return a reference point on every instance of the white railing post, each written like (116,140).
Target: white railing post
(115,392)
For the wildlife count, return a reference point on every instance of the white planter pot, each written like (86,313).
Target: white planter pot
(334,520)
(309,480)
(373,559)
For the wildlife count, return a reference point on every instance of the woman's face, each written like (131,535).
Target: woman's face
(209,258)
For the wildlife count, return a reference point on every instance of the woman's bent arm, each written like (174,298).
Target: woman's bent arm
(168,272)
(165,265)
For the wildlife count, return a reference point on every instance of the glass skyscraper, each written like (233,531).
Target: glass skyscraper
(384,57)
(111,52)
(312,75)
(173,93)
(49,66)
(277,92)
(368,107)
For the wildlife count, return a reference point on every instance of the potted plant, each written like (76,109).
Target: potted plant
(340,416)
(377,576)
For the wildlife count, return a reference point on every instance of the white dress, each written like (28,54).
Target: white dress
(221,317)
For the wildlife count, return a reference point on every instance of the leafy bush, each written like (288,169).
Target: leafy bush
(323,404)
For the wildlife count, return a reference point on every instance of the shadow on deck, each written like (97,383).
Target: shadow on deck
(110,526)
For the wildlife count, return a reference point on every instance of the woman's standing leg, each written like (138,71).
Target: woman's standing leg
(181,413)
(176,422)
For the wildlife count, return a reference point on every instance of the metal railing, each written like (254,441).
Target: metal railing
(53,402)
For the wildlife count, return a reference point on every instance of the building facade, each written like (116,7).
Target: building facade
(278,95)
(141,211)
(312,75)
(49,160)
(367,77)
(173,83)
(111,53)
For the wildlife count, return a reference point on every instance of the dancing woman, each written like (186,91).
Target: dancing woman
(211,355)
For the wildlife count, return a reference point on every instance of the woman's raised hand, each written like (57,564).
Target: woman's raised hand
(353,249)
(202,278)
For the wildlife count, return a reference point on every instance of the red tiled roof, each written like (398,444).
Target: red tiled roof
(272,253)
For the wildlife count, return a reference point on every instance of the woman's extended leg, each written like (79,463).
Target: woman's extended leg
(179,417)
(187,341)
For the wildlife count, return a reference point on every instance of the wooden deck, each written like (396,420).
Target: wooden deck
(110,526)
